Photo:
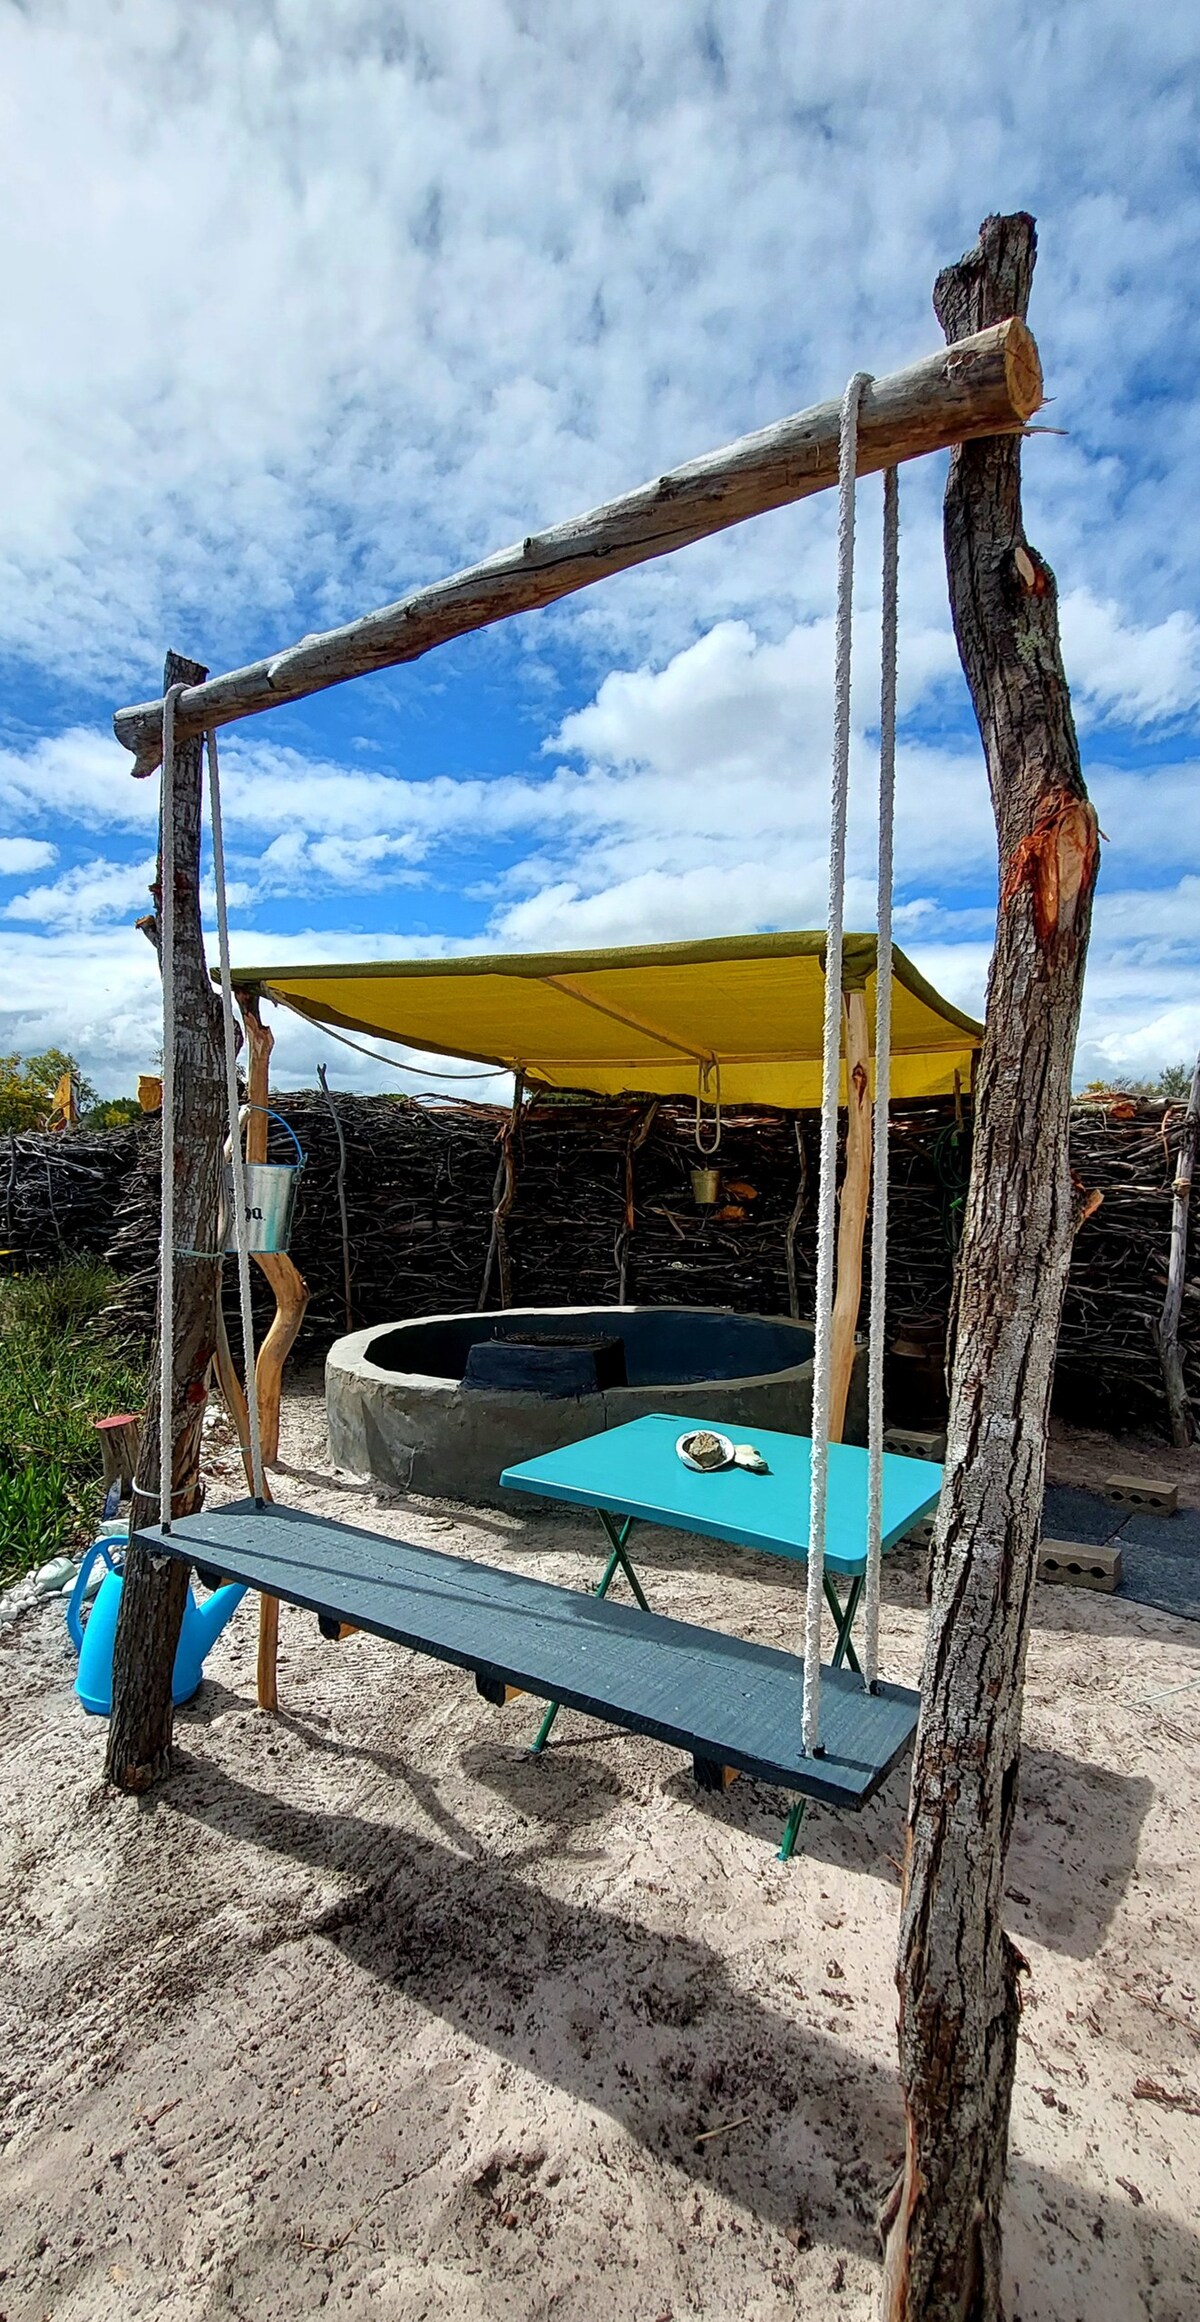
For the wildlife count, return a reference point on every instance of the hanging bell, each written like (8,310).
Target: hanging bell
(706,1187)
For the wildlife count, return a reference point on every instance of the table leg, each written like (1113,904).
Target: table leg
(843,1650)
(618,1561)
(791,1830)
(844,1617)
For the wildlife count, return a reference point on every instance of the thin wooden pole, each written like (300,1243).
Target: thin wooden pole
(155,1585)
(1179,1403)
(852,1214)
(989,383)
(793,1224)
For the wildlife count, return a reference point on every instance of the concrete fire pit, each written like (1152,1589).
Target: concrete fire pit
(401,1412)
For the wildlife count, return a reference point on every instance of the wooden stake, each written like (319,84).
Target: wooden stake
(155,1586)
(852,1213)
(989,383)
(957,1969)
(1179,1403)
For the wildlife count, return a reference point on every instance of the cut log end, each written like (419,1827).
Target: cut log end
(1022,369)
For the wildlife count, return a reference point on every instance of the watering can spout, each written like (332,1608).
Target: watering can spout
(206,1621)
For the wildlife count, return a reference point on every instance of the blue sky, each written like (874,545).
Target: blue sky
(308,301)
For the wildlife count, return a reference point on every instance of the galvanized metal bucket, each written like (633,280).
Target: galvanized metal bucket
(271,1188)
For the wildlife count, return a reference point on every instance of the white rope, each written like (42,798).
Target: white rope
(236,1167)
(166,1241)
(883,1073)
(397,1063)
(831,1069)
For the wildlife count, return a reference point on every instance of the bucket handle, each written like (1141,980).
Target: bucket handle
(75,1607)
(274,1116)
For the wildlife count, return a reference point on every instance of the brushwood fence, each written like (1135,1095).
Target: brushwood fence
(600,1205)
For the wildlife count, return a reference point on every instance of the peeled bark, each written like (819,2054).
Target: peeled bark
(155,1589)
(957,1970)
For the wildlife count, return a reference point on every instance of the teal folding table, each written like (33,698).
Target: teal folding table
(633,1475)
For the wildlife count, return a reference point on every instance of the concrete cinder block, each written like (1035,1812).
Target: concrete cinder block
(1143,1491)
(1080,1564)
(916,1442)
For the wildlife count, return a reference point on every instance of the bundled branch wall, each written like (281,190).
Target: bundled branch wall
(59,1196)
(419,1189)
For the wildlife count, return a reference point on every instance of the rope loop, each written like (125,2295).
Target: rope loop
(883,1071)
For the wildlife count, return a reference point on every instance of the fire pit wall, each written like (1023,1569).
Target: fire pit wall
(401,1413)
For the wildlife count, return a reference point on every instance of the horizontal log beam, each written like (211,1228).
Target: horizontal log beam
(990,384)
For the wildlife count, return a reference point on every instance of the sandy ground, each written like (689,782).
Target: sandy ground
(368,2013)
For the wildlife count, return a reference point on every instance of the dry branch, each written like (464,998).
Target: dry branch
(419,1188)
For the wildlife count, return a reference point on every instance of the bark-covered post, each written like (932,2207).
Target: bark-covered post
(957,1970)
(152,1599)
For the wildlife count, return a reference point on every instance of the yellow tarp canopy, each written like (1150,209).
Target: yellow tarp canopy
(641,1020)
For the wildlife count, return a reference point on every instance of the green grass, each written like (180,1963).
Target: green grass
(56,1376)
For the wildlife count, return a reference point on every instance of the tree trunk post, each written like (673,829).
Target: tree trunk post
(155,1587)
(957,1968)
(1179,1403)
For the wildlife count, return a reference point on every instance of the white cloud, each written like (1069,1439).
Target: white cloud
(308,302)
(19,855)
(95,990)
(89,892)
(1143,676)
(392,290)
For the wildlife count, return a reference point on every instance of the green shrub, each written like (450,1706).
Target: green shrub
(56,1376)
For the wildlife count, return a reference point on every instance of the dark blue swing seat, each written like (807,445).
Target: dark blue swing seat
(724,1701)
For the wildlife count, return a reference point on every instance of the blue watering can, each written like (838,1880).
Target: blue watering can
(202,1625)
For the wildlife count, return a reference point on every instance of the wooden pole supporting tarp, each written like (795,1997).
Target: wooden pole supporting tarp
(287,1282)
(989,383)
(957,1969)
(291,1299)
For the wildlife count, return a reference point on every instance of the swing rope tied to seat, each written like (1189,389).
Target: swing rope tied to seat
(883,1071)
(166,1250)
(240,1235)
(167,1167)
(831,1071)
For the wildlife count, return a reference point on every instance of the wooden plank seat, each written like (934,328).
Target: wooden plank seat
(724,1701)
